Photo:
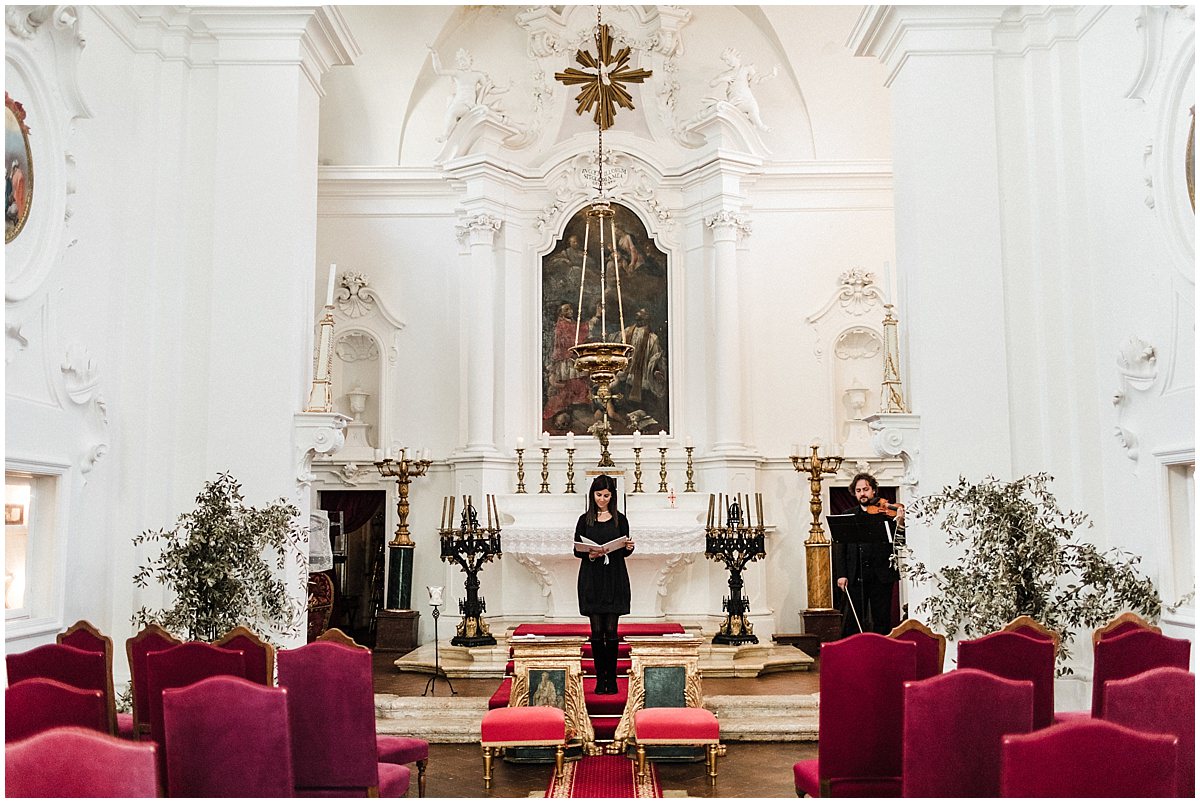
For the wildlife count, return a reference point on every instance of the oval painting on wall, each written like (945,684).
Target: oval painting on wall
(18,169)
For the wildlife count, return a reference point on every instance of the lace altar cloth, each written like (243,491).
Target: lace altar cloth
(652,540)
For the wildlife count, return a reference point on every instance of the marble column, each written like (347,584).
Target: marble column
(479,301)
(726,228)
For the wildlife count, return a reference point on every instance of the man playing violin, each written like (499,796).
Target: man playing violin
(864,570)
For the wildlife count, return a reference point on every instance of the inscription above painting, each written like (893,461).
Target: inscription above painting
(642,392)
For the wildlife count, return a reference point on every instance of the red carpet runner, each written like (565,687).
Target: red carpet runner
(604,776)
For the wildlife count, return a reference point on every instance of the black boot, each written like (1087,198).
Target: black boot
(598,664)
(609,662)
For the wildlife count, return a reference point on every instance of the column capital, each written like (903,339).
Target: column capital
(727,225)
(478,229)
(893,34)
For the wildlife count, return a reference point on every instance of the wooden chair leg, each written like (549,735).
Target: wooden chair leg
(421,777)
(558,761)
(487,767)
(641,761)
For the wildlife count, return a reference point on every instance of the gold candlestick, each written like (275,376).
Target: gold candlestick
(545,471)
(570,489)
(662,469)
(404,470)
(820,590)
(690,487)
(637,469)
(520,471)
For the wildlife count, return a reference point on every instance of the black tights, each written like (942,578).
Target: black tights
(604,626)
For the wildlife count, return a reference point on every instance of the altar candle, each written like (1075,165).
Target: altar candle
(688,442)
(758,504)
(545,440)
(662,439)
(711,502)
(520,443)
(444,502)
(427,455)
(329,289)
(487,504)
(637,439)
(570,440)
(378,455)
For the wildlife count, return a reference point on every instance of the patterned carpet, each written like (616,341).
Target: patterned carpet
(604,776)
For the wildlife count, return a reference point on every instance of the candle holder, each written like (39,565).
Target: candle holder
(435,599)
(545,471)
(736,543)
(570,489)
(404,470)
(637,470)
(320,395)
(520,471)
(470,546)
(816,546)
(690,487)
(662,469)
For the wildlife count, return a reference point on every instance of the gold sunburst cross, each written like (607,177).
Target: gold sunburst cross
(602,80)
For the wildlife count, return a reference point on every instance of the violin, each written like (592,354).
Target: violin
(881,505)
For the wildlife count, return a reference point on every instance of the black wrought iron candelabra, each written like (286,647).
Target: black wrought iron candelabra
(735,543)
(470,546)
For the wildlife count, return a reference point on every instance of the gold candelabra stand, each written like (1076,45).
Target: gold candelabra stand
(520,470)
(570,489)
(600,362)
(816,546)
(662,469)
(637,470)
(404,470)
(545,489)
(690,487)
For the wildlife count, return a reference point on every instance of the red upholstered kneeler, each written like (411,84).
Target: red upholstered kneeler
(677,726)
(523,726)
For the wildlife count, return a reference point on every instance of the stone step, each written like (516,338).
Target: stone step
(743,717)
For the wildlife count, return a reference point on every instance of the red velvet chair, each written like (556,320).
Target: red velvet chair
(183,665)
(331,707)
(953,724)
(84,635)
(36,705)
(1131,654)
(150,638)
(1088,758)
(860,720)
(1159,701)
(1016,657)
(931,647)
(391,748)
(1028,626)
(1125,623)
(77,762)
(260,656)
(227,737)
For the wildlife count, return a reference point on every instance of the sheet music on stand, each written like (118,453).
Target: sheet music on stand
(848,528)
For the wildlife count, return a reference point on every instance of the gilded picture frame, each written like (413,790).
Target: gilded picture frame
(643,390)
(18,169)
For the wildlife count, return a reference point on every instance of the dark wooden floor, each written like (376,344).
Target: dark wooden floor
(749,769)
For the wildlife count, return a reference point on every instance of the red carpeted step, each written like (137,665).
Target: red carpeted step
(623,649)
(631,629)
(500,698)
(588,666)
(605,704)
(605,727)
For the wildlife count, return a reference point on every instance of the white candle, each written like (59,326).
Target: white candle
(427,454)
(688,442)
(662,439)
(637,439)
(520,443)
(329,290)
(795,449)
(545,440)
(570,440)
(378,455)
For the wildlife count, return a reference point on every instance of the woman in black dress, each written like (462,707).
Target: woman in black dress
(603,579)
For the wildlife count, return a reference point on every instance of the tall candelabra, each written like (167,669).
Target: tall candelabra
(735,543)
(470,546)
(816,546)
(404,470)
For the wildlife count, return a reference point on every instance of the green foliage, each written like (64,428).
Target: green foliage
(1019,557)
(215,561)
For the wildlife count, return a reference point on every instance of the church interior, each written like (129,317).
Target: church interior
(881,320)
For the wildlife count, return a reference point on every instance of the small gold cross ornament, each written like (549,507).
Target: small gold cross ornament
(602,79)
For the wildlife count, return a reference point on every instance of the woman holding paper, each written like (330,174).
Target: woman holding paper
(601,543)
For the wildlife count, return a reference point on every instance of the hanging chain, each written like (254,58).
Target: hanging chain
(599,128)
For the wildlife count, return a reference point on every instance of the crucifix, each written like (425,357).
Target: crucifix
(602,77)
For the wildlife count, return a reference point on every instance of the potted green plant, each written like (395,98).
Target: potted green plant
(1019,556)
(224,562)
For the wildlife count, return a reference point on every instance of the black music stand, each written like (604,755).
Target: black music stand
(431,684)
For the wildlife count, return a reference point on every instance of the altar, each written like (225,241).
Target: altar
(538,531)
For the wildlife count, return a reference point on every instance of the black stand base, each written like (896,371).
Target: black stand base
(744,638)
(431,684)
(484,640)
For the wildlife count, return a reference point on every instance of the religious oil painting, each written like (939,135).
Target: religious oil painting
(18,169)
(548,687)
(635,263)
